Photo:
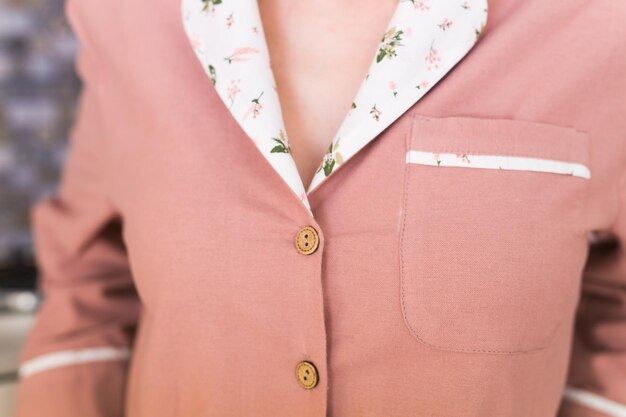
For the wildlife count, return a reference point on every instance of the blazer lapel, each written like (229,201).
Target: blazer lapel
(423,41)
(227,37)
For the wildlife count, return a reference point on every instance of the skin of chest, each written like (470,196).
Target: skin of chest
(320,53)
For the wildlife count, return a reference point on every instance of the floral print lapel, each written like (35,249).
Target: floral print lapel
(423,41)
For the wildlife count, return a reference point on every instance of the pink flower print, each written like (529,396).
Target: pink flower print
(437,157)
(255,107)
(233,90)
(465,5)
(375,113)
(463,157)
(393,87)
(421,5)
(241,54)
(196,42)
(433,58)
(445,24)
(422,85)
(230,20)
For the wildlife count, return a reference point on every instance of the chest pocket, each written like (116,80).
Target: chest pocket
(492,240)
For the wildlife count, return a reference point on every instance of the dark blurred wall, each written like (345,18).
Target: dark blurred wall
(38,91)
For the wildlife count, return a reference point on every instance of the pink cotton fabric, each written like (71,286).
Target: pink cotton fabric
(435,291)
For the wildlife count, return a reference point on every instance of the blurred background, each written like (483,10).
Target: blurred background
(38,93)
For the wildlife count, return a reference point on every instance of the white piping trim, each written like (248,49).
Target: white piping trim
(71,357)
(518,163)
(595,402)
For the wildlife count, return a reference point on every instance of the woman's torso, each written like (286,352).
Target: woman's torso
(433,293)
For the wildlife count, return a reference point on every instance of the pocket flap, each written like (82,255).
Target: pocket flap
(498,144)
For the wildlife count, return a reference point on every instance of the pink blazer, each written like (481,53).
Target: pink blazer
(468,262)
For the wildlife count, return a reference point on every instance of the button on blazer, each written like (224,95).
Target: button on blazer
(467,260)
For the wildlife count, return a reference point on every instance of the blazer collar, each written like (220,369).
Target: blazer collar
(423,41)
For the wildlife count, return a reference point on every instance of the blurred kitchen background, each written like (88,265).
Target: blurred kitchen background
(38,93)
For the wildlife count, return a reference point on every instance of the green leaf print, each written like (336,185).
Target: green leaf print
(390,41)
(381,55)
(328,167)
(212,74)
(480,31)
(208,4)
(331,158)
(283,144)
(257,100)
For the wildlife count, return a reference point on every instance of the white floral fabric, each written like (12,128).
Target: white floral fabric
(423,41)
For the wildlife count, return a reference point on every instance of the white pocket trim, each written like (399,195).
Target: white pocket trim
(595,402)
(71,357)
(518,163)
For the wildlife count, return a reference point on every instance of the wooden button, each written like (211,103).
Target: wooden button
(306,374)
(307,240)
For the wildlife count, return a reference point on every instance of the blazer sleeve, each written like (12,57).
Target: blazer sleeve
(74,361)
(596,384)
